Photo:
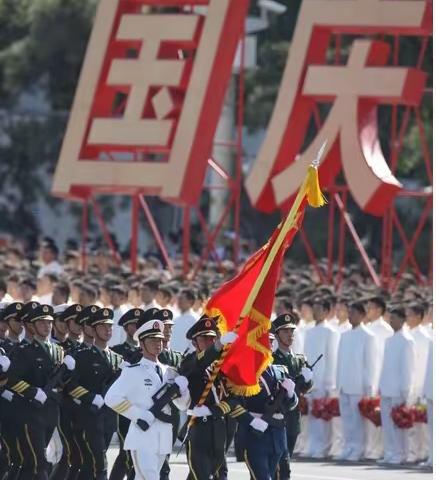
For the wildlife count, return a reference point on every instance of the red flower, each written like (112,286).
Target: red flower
(370,409)
(325,408)
(419,413)
(403,416)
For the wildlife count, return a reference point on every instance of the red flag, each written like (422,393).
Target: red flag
(245,303)
(249,356)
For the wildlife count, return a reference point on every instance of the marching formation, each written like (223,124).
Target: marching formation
(87,357)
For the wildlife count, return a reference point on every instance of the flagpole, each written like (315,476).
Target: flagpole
(286,226)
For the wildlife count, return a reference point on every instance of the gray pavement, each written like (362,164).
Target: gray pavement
(310,470)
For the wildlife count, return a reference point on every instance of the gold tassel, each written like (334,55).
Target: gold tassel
(244,390)
(315,197)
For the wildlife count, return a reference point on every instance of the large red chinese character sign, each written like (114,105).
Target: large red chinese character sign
(152,86)
(355,89)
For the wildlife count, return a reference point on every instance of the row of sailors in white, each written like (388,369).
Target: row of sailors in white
(367,359)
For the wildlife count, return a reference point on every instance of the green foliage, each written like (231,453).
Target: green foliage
(43,46)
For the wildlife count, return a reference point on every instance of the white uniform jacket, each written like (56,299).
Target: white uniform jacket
(397,375)
(322,339)
(422,348)
(131,395)
(357,358)
(428,381)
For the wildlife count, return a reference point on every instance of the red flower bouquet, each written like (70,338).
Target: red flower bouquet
(325,408)
(419,413)
(370,409)
(332,406)
(403,416)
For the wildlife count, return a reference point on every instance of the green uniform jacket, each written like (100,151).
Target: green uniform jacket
(294,363)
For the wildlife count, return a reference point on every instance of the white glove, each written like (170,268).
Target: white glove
(289,386)
(259,424)
(228,338)
(7,395)
(69,362)
(148,417)
(77,401)
(307,374)
(182,383)
(201,411)
(98,401)
(5,363)
(40,396)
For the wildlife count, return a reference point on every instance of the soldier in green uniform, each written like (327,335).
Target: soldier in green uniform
(129,350)
(32,368)
(284,328)
(11,315)
(206,440)
(8,401)
(169,357)
(96,368)
(77,326)
(64,316)
(60,329)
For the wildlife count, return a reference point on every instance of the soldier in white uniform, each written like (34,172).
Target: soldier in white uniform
(355,379)
(428,394)
(396,383)
(149,438)
(375,309)
(418,444)
(321,339)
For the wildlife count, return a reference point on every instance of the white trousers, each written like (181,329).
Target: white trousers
(430,428)
(395,439)
(374,440)
(353,427)
(417,442)
(302,439)
(337,435)
(319,433)
(147,465)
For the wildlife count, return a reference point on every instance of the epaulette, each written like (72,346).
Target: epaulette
(280,371)
(301,358)
(132,365)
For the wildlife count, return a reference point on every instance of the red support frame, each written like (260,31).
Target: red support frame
(340,223)
(391,223)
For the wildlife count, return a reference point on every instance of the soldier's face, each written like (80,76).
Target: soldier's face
(152,346)
(396,322)
(131,329)
(319,313)
(147,294)
(306,311)
(74,327)
(61,327)
(168,331)
(203,342)
(285,336)
(15,327)
(104,331)
(43,328)
(89,331)
(342,311)
(355,317)
(373,312)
